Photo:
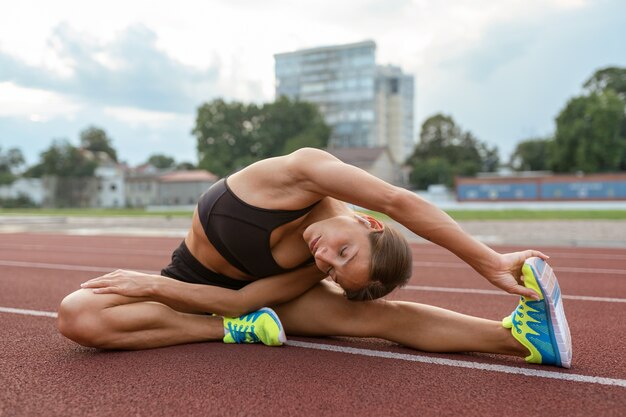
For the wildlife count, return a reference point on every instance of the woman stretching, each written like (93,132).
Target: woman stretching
(271,233)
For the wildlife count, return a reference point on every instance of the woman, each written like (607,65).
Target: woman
(283,220)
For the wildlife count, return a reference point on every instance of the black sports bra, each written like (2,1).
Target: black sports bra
(241,232)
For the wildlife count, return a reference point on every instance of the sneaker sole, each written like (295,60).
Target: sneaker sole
(559,329)
(282,337)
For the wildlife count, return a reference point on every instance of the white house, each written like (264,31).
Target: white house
(33,188)
(184,187)
(377,161)
(110,186)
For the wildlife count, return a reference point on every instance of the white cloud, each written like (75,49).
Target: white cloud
(570,4)
(242,36)
(136,117)
(34,104)
(135,55)
(107,61)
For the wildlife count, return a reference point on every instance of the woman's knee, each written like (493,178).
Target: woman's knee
(324,310)
(79,318)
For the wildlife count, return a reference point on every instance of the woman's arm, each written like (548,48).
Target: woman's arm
(260,293)
(322,173)
(197,297)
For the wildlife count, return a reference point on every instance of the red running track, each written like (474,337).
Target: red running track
(43,374)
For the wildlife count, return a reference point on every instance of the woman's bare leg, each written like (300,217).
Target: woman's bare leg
(324,311)
(112,321)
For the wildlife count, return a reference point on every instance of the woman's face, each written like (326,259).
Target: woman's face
(341,248)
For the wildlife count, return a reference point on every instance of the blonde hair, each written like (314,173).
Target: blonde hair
(391,265)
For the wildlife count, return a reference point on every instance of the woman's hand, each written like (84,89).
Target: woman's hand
(507,275)
(123,282)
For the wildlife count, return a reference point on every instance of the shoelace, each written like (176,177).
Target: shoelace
(239,333)
(518,315)
(522,312)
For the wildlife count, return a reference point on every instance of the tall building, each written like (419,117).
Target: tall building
(394,111)
(365,105)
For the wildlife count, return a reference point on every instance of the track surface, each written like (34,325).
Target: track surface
(43,374)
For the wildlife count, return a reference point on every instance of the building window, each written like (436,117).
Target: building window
(113,187)
(393,86)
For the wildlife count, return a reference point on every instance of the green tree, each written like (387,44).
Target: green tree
(63,160)
(95,139)
(227,136)
(610,78)
(185,166)
(431,171)
(490,157)
(614,79)
(34,171)
(9,162)
(289,125)
(438,133)
(233,135)
(161,161)
(442,140)
(589,134)
(532,155)
(21,201)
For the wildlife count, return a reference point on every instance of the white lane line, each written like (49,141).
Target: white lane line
(573,255)
(591,270)
(83,268)
(85,249)
(462,364)
(421,249)
(64,267)
(551,253)
(496,292)
(28,312)
(412,358)
(458,265)
(132,251)
(22,264)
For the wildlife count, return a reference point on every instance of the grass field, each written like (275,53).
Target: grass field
(510,214)
(460,215)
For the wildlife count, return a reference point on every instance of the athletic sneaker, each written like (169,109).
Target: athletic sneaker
(259,326)
(541,325)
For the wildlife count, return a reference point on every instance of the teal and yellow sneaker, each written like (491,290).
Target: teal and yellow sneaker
(259,326)
(541,325)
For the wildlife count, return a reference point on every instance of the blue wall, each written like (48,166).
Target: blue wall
(605,190)
(513,191)
(546,190)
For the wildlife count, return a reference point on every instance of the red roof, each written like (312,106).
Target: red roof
(197,175)
(360,157)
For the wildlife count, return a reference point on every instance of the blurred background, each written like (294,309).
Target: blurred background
(145,104)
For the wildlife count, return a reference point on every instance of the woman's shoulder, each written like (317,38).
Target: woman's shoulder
(275,182)
(308,155)
(284,169)
(306,163)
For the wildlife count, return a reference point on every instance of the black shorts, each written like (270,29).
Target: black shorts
(184,267)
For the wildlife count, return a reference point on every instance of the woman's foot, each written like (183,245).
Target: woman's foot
(541,326)
(259,326)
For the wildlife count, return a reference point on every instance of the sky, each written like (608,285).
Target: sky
(503,69)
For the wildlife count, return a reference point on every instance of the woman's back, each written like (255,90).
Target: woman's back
(250,225)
